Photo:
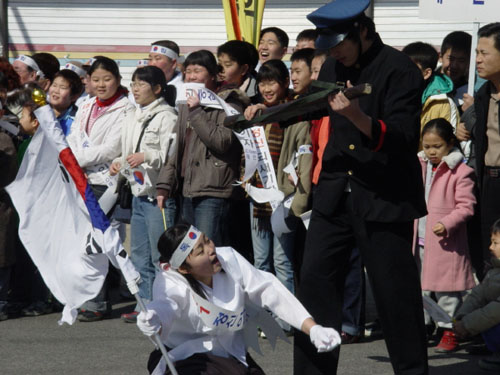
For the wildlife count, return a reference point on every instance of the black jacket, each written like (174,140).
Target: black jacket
(383,172)
(480,140)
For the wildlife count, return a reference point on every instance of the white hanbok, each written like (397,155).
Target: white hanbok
(239,287)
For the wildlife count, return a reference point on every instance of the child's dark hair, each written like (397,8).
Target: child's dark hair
(443,129)
(273,70)
(74,81)
(154,76)
(167,244)
(495,228)
(107,64)
(307,34)
(280,35)
(458,41)
(240,51)
(203,58)
(304,54)
(48,64)
(422,54)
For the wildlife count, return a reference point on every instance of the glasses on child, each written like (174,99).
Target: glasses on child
(139,85)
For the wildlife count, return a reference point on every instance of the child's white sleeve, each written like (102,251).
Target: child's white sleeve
(265,290)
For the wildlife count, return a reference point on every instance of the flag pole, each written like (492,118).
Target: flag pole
(156,337)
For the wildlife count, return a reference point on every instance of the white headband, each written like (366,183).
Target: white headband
(81,72)
(26,60)
(164,51)
(142,63)
(184,249)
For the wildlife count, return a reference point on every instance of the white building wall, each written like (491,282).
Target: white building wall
(122,29)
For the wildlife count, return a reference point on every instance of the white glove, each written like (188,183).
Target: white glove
(148,322)
(324,339)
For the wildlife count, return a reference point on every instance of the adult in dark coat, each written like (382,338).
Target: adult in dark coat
(369,192)
(486,132)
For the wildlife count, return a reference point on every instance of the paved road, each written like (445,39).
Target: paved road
(39,346)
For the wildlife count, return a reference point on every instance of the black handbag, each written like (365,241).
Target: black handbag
(124,189)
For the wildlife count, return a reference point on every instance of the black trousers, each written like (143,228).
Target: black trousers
(490,210)
(392,271)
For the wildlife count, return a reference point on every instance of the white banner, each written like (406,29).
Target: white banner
(217,318)
(460,10)
(207,97)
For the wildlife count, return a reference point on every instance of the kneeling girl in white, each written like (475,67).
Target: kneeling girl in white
(206,298)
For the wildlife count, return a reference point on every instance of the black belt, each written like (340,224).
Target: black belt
(492,171)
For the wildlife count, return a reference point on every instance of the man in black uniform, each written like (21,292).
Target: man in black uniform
(369,192)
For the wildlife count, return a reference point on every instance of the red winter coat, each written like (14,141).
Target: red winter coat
(446,266)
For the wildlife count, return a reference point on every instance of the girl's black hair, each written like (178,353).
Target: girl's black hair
(204,58)
(167,244)
(443,129)
(107,64)
(155,76)
(495,228)
(74,81)
(274,70)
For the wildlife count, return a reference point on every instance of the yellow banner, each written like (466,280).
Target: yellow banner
(244,19)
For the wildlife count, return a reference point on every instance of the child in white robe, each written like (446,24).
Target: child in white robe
(207,299)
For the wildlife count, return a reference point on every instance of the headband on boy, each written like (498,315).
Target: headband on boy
(26,60)
(142,63)
(81,72)
(184,249)
(164,51)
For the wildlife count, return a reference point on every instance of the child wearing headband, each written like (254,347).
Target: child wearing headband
(206,302)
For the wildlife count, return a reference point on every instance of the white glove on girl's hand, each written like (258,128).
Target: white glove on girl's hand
(148,322)
(324,339)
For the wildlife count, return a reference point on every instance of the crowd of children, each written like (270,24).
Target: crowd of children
(192,161)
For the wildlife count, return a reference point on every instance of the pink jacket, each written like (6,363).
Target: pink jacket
(446,266)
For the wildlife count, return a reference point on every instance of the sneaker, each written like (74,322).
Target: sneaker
(37,308)
(448,343)
(373,329)
(349,339)
(130,317)
(490,363)
(91,316)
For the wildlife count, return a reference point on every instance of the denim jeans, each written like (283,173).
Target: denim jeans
(273,253)
(354,296)
(209,215)
(146,227)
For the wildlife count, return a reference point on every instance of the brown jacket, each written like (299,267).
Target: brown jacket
(212,165)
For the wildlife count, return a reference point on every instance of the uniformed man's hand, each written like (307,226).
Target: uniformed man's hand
(344,106)
(351,110)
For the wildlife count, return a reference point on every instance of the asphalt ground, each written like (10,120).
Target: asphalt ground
(37,345)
